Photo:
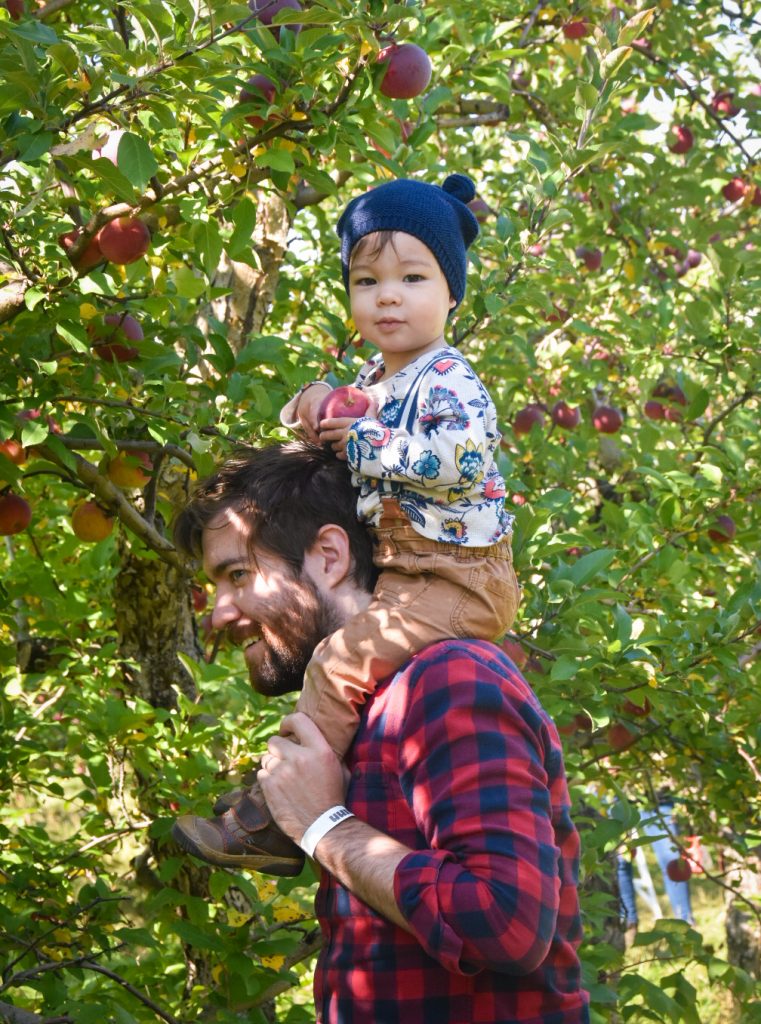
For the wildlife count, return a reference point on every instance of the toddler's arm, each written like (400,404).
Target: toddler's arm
(300,413)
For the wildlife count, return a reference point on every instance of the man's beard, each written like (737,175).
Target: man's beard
(306,621)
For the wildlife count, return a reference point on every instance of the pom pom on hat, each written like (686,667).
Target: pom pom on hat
(460,186)
(438,216)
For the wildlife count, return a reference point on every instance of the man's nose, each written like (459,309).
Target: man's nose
(225,611)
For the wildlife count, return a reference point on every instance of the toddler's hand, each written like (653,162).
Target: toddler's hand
(307,409)
(335,430)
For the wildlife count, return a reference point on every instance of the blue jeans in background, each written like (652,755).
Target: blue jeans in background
(678,893)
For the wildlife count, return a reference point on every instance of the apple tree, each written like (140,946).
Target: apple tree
(170,178)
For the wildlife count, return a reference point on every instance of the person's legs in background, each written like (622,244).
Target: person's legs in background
(627,898)
(678,893)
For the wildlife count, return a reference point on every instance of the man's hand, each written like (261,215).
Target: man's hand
(300,775)
(335,430)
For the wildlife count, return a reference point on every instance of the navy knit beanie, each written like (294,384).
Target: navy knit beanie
(438,216)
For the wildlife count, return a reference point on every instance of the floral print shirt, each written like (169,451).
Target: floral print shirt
(432,449)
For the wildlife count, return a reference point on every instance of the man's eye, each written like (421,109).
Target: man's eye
(237,575)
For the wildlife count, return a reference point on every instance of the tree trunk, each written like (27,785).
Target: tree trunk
(742,925)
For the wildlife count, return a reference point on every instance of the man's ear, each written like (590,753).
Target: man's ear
(328,560)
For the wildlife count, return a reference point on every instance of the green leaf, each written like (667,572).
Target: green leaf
(135,160)
(277,159)
(635,27)
(114,180)
(189,285)
(243,217)
(612,63)
(208,241)
(588,566)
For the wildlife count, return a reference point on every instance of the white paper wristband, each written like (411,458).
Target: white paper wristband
(332,817)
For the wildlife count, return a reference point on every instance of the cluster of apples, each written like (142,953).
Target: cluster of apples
(408,67)
(123,240)
(605,418)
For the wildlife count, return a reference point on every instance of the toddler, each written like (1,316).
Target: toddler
(423,463)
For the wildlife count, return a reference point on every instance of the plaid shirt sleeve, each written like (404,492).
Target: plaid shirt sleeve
(481,769)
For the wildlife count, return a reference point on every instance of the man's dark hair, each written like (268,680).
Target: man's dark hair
(286,492)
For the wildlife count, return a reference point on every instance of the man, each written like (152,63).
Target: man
(448,893)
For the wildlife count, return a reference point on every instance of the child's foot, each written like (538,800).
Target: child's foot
(244,836)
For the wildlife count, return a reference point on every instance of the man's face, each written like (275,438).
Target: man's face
(277,617)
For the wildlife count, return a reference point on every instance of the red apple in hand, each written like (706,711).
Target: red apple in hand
(408,71)
(344,403)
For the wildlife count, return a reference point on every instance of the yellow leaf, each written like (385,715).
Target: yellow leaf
(87,311)
(235,918)
(275,962)
(298,115)
(630,272)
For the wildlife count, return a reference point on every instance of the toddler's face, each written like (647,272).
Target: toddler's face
(399,297)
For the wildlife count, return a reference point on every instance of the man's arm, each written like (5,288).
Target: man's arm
(360,857)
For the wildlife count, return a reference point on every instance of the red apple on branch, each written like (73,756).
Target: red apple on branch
(258,88)
(15,514)
(265,11)
(679,869)
(576,29)
(110,337)
(723,103)
(480,209)
(90,523)
(344,402)
(527,417)
(655,410)
(130,469)
(683,139)
(124,240)
(722,530)
(515,652)
(620,738)
(408,71)
(734,190)
(15,8)
(566,416)
(109,148)
(90,256)
(199,596)
(13,451)
(591,258)
(607,420)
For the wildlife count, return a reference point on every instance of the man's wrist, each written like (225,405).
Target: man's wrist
(321,826)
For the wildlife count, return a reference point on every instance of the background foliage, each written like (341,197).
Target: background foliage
(119,708)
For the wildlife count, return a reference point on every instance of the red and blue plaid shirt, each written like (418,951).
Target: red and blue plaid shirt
(456,758)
